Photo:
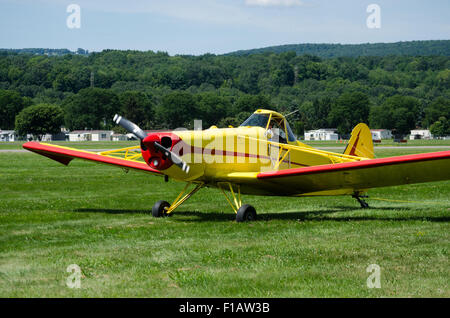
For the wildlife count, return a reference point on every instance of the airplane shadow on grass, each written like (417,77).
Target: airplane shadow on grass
(298,216)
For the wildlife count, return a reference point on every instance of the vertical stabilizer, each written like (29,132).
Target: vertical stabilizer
(360,143)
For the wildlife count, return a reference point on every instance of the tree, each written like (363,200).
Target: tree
(444,78)
(441,127)
(178,109)
(120,130)
(39,120)
(228,121)
(137,107)
(440,107)
(91,108)
(315,70)
(11,103)
(234,121)
(212,108)
(399,113)
(73,80)
(283,75)
(349,110)
(247,80)
(250,103)
(314,114)
(299,128)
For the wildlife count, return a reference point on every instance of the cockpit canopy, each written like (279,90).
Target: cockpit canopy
(273,122)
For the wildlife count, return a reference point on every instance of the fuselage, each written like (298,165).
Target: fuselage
(218,154)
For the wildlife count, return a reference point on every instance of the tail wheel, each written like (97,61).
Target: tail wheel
(246,213)
(159,209)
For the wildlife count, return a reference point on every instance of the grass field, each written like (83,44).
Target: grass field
(119,144)
(98,217)
(16,145)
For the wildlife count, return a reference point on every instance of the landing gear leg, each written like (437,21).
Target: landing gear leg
(243,212)
(163,208)
(363,203)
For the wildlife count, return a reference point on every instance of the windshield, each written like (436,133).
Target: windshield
(291,136)
(257,120)
(260,120)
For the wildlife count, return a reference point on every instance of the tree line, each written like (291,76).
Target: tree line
(159,91)
(410,48)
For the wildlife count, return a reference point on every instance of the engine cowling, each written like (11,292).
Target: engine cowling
(154,157)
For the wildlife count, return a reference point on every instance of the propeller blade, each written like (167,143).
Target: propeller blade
(139,133)
(173,157)
(131,127)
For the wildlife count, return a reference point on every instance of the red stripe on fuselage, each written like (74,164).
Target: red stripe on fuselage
(200,150)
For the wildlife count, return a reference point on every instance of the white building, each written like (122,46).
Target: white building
(8,135)
(322,134)
(378,134)
(54,137)
(420,134)
(119,137)
(79,135)
(90,135)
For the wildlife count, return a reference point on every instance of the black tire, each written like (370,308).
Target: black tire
(159,209)
(246,213)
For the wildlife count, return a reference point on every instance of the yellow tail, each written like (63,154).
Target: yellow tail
(360,144)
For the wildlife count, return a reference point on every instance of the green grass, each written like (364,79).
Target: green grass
(98,217)
(120,144)
(75,144)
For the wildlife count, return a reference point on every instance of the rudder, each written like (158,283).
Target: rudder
(360,143)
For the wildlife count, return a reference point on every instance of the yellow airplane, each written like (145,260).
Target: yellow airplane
(260,157)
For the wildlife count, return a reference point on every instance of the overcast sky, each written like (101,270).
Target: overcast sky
(216,26)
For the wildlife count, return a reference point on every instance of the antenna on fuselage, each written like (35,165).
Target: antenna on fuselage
(291,113)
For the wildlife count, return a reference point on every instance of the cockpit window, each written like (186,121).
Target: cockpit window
(278,123)
(256,120)
(276,130)
(291,136)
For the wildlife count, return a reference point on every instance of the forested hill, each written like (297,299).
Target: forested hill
(158,91)
(43,51)
(410,48)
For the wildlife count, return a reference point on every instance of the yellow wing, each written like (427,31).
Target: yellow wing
(359,175)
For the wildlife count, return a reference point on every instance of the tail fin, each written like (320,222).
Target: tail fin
(360,143)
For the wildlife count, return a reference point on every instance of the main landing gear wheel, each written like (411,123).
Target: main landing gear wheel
(159,209)
(246,213)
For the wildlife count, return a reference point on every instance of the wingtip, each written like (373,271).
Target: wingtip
(29,144)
